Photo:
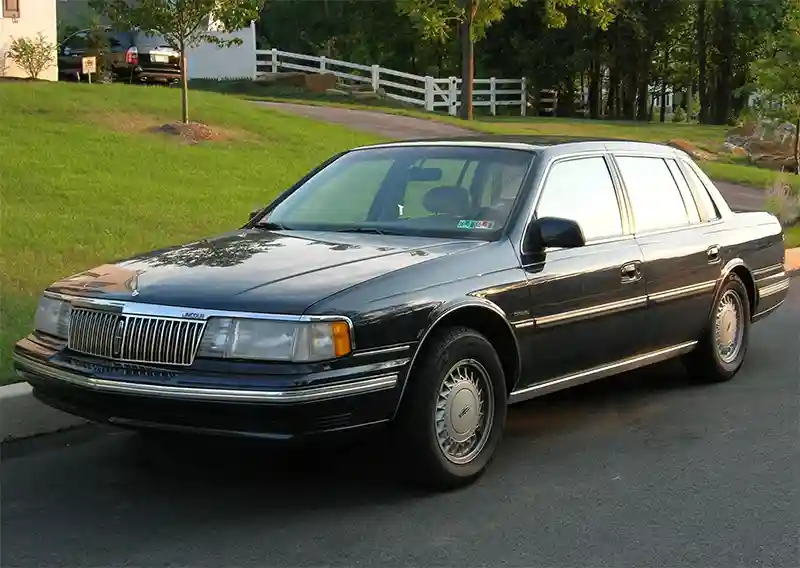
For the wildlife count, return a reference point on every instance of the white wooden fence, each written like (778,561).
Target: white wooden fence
(428,92)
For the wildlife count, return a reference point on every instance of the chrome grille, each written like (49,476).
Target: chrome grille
(134,338)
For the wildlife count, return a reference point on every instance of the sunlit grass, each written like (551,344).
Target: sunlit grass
(84,181)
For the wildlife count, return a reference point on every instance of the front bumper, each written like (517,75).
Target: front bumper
(368,396)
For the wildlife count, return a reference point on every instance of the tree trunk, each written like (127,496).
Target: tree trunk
(663,114)
(725,47)
(701,62)
(613,93)
(595,91)
(184,86)
(797,147)
(467,61)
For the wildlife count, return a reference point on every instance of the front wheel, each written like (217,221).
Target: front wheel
(721,351)
(454,410)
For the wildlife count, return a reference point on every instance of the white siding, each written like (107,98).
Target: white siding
(207,61)
(35,16)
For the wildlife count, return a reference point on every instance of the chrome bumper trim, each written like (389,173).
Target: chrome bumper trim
(366,385)
(773,288)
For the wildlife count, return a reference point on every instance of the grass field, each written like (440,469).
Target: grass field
(793,237)
(706,137)
(84,180)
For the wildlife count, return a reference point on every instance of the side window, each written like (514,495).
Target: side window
(582,190)
(116,42)
(688,198)
(708,210)
(78,41)
(655,198)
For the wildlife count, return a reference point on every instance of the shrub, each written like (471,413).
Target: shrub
(32,55)
(680,115)
(783,201)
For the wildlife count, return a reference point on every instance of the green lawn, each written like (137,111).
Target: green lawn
(706,137)
(793,237)
(83,181)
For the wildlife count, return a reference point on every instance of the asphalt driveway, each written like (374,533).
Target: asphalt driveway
(404,127)
(639,470)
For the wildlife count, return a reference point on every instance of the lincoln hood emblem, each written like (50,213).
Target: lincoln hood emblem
(133,283)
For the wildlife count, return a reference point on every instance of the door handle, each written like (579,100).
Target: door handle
(713,254)
(630,272)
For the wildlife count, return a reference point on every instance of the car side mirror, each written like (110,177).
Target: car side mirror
(553,232)
(255,212)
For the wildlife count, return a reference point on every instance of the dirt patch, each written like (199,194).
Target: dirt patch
(191,133)
(692,150)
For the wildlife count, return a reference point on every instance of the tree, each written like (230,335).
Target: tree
(436,19)
(777,75)
(32,55)
(182,24)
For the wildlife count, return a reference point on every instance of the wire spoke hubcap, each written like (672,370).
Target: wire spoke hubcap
(464,411)
(728,326)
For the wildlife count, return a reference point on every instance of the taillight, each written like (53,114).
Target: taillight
(132,56)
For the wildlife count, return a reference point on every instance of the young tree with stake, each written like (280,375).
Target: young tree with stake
(182,24)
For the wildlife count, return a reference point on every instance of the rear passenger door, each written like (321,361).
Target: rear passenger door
(72,50)
(682,257)
(588,304)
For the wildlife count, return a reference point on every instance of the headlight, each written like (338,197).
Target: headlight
(52,317)
(268,340)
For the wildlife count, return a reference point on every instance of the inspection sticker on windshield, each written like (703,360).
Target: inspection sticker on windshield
(470,224)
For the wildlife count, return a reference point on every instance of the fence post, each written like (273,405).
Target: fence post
(452,96)
(523,109)
(322,64)
(376,77)
(429,92)
(274,59)
(493,95)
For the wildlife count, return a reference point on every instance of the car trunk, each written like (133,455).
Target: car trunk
(156,56)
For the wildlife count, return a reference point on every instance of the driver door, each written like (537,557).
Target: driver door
(587,304)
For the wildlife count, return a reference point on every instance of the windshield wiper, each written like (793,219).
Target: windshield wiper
(372,230)
(269,226)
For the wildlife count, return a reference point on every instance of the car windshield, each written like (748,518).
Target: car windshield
(446,191)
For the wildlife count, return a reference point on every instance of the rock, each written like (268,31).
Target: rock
(691,149)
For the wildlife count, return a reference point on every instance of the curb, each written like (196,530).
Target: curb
(22,416)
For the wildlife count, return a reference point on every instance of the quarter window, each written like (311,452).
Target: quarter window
(707,207)
(582,190)
(655,198)
(688,199)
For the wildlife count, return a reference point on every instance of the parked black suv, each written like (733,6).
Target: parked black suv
(130,56)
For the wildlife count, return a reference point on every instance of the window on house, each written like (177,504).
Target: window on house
(11,8)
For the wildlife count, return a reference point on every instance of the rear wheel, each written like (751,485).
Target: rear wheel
(722,349)
(454,410)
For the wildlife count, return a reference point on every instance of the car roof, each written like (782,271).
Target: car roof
(553,144)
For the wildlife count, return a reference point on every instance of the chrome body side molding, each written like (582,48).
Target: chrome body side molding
(603,371)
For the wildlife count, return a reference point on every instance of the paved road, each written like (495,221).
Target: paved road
(639,470)
(400,127)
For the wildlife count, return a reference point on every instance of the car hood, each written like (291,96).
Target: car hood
(256,270)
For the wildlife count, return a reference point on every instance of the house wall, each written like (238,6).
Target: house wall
(207,61)
(34,16)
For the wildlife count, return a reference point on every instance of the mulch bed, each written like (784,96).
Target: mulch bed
(191,133)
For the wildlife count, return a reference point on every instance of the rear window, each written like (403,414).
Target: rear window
(146,41)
